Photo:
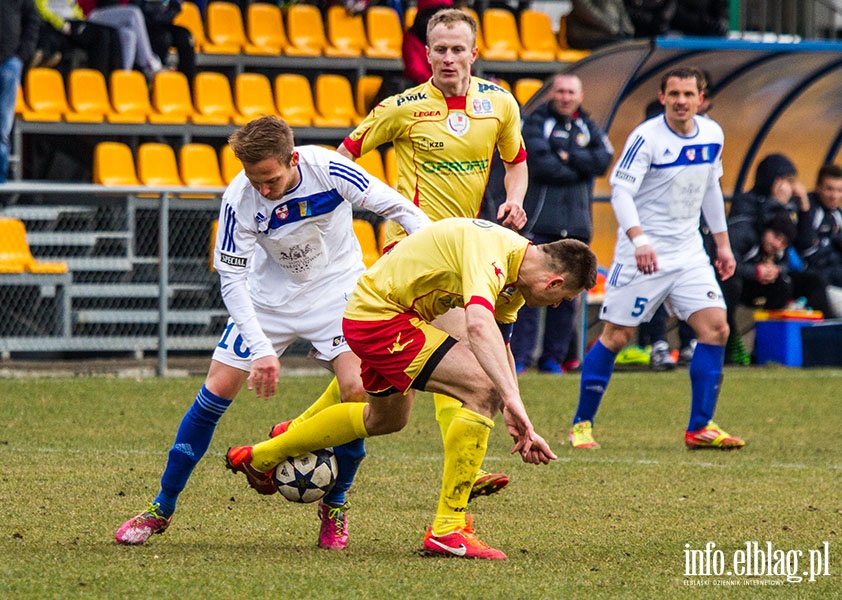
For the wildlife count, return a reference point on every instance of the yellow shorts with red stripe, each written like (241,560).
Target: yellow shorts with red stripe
(396,354)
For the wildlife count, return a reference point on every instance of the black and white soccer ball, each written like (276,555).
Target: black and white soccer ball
(307,478)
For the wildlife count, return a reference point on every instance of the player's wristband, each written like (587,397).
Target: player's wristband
(640,240)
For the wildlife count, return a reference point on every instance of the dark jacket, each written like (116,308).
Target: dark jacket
(651,18)
(594,23)
(19,23)
(745,244)
(558,200)
(824,247)
(702,17)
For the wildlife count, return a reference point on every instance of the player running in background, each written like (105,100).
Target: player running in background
(668,173)
(444,133)
(287,260)
(488,270)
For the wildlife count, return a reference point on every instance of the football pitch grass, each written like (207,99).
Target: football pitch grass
(634,519)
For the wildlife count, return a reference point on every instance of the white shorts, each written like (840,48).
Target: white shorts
(321,327)
(631,298)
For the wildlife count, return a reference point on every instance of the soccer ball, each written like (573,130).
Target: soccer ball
(307,478)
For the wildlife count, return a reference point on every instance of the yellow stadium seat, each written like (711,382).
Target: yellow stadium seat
(385,34)
(213,101)
(190,18)
(367,88)
(305,31)
(213,229)
(504,84)
(372,162)
(500,35)
(171,101)
(199,166)
(345,33)
(409,16)
(114,164)
(390,166)
(566,53)
(20,102)
(253,96)
(45,96)
(88,96)
(335,102)
(294,100)
(129,97)
(224,29)
(265,27)
(368,241)
(157,166)
(229,164)
(15,254)
(480,37)
(525,88)
(537,36)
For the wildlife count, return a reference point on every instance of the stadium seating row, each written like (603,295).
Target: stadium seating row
(15,254)
(87,99)
(198,165)
(377,33)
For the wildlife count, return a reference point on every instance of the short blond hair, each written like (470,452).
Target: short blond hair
(262,138)
(450,17)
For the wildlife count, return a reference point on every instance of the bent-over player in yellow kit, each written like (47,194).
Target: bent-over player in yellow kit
(490,271)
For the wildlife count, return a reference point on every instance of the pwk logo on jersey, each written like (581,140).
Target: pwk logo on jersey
(282,212)
(489,87)
(481,106)
(234,261)
(458,123)
(411,98)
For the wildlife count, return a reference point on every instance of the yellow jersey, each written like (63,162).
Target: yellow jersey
(451,263)
(443,146)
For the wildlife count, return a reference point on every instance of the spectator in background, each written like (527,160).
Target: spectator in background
(595,23)
(416,67)
(650,18)
(19,24)
(131,28)
(163,34)
(565,150)
(64,27)
(823,247)
(702,18)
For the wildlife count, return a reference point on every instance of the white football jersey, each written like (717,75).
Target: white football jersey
(290,251)
(668,175)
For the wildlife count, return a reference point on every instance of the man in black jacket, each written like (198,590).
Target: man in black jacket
(822,250)
(565,151)
(19,24)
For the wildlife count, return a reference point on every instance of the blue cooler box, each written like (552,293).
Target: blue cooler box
(778,340)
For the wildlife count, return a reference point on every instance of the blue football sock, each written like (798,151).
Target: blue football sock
(705,380)
(596,373)
(348,459)
(191,443)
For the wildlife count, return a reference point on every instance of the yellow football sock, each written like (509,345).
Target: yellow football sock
(332,426)
(329,397)
(446,409)
(464,449)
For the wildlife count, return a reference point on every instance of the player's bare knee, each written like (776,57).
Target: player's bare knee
(353,392)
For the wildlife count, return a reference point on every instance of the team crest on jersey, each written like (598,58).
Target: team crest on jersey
(458,123)
(691,154)
(304,208)
(282,212)
(481,106)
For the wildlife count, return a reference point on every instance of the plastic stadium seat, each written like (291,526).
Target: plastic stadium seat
(171,101)
(566,53)
(294,100)
(156,165)
(265,28)
(367,88)
(20,102)
(409,16)
(368,241)
(199,166)
(114,164)
(229,164)
(129,97)
(537,36)
(213,229)
(15,254)
(385,33)
(253,95)
(335,102)
(190,18)
(480,37)
(503,84)
(372,162)
(213,101)
(305,31)
(390,166)
(45,96)
(224,29)
(525,88)
(500,35)
(345,32)
(87,95)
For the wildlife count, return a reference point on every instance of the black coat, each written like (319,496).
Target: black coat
(558,200)
(19,23)
(824,248)
(702,17)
